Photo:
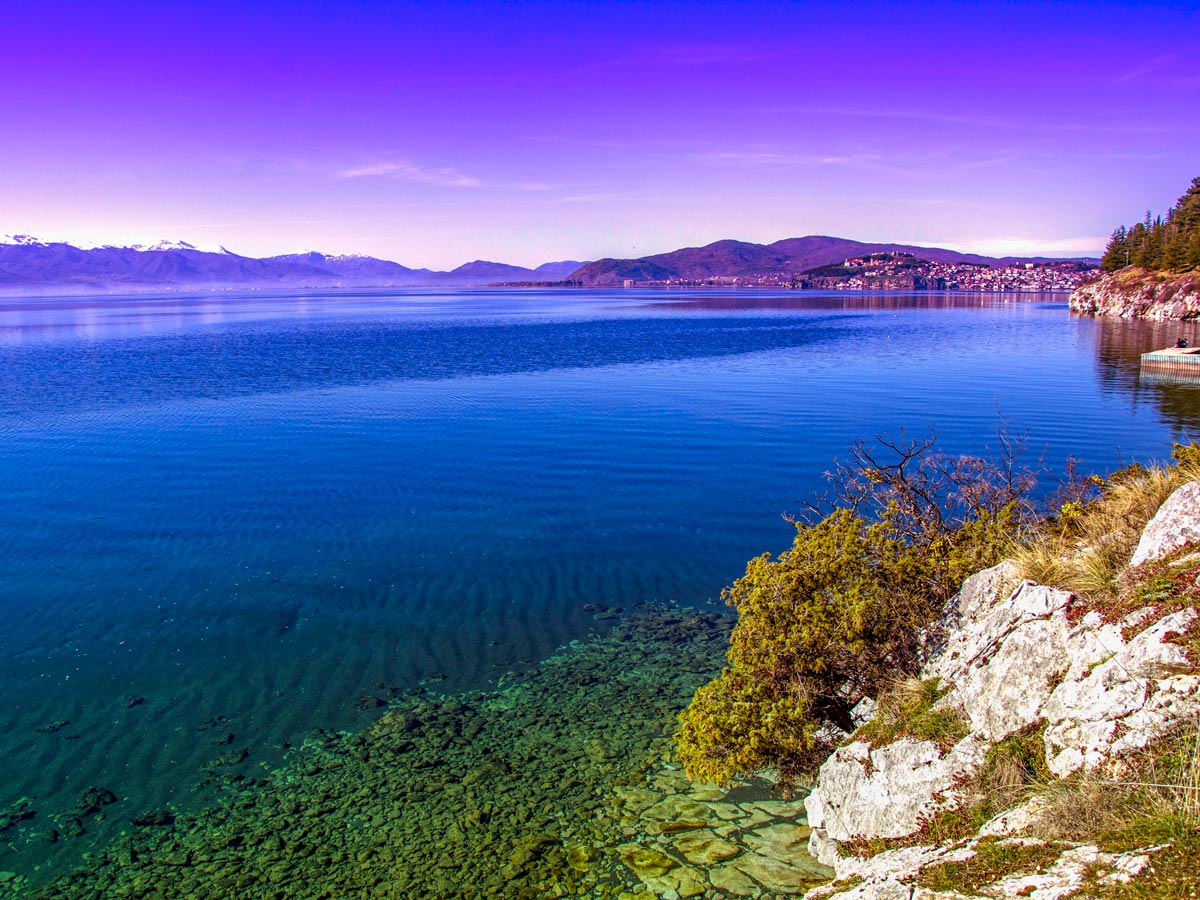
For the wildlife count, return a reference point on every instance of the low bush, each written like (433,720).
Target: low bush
(837,617)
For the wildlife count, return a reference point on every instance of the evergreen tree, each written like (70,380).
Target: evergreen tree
(1116,254)
(1155,243)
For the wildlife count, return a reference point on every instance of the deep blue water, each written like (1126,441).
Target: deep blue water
(251,509)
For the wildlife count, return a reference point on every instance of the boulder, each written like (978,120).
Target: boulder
(888,792)
(948,639)
(1175,525)
(1139,694)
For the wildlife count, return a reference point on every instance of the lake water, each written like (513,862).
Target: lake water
(243,513)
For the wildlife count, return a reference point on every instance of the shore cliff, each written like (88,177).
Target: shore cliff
(1074,764)
(1135,293)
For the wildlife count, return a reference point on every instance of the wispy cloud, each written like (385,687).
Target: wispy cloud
(774,158)
(917,115)
(971,120)
(442,176)
(1146,68)
(1176,69)
(921,166)
(1086,245)
(600,196)
(692,55)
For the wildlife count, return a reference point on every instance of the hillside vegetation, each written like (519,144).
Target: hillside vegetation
(1170,244)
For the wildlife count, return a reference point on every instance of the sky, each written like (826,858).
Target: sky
(435,133)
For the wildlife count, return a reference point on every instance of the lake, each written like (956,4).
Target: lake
(229,519)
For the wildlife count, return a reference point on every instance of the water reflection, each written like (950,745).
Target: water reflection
(1119,348)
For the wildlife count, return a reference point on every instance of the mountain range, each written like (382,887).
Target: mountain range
(28,264)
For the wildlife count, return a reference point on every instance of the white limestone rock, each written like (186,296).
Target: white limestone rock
(1176,524)
(892,875)
(1066,876)
(1005,659)
(1015,820)
(987,618)
(1142,691)
(883,876)
(956,631)
(888,792)
(824,849)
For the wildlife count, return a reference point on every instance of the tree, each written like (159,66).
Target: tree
(1116,254)
(839,614)
(1153,243)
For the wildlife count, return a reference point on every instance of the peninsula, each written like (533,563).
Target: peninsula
(1150,270)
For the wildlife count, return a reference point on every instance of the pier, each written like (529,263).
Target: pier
(1175,364)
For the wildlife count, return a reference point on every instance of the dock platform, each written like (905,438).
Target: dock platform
(1178,364)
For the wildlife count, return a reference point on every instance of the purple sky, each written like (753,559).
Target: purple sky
(436,133)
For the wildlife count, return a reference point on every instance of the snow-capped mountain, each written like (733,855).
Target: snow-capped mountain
(21,240)
(28,263)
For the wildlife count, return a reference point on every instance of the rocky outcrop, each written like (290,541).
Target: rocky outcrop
(888,791)
(1139,294)
(1176,524)
(1141,691)
(1014,658)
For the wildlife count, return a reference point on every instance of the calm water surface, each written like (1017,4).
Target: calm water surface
(251,510)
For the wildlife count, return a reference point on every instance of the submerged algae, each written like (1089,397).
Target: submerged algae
(510,793)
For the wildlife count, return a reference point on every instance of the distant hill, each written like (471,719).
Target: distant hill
(28,264)
(727,259)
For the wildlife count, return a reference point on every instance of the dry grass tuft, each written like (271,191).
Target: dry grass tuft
(1154,802)
(1087,547)
(908,708)
(1160,786)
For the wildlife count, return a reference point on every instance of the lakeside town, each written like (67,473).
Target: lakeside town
(904,272)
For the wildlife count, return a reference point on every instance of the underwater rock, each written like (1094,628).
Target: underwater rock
(659,872)
(581,858)
(92,799)
(132,700)
(51,727)
(16,812)
(782,878)
(153,817)
(636,799)
(72,826)
(368,702)
(228,758)
(732,880)
(703,848)
(782,841)
(677,808)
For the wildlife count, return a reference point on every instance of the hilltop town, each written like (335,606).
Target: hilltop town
(904,272)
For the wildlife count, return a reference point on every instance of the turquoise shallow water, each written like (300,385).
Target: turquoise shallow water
(250,510)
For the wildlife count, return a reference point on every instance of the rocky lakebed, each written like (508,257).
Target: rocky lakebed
(560,783)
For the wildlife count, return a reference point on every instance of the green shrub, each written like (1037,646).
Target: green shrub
(838,616)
